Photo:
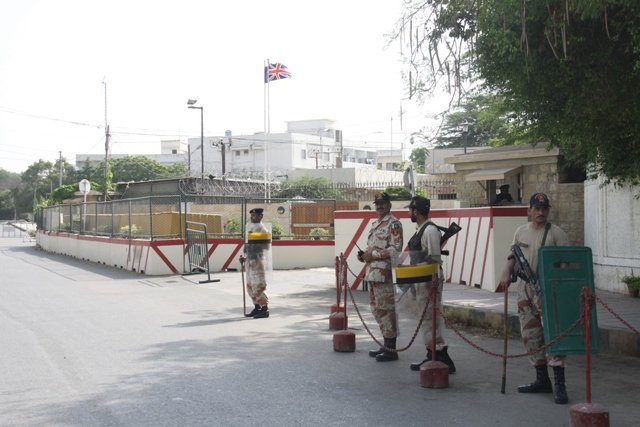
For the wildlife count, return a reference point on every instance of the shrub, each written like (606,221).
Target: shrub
(319,233)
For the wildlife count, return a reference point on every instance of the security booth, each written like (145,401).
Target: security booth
(563,272)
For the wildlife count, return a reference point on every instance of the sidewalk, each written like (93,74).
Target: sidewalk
(484,308)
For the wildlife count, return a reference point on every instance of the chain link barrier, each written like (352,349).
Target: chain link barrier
(346,267)
(451,325)
(617,316)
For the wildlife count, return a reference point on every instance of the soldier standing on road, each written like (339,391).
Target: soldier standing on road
(530,237)
(383,246)
(424,248)
(257,257)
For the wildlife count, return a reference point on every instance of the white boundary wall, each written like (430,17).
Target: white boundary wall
(612,230)
(161,257)
(477,253)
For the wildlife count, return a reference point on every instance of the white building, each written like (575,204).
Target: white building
(307,144)
(171,152)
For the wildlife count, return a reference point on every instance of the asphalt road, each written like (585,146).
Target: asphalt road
(87,345)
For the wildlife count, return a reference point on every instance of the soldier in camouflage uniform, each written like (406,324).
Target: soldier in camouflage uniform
(256,266)
(531,237)
(383,246)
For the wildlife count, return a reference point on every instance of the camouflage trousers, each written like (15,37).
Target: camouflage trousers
(256,282)
(383,307)
(423,297)
(531,329)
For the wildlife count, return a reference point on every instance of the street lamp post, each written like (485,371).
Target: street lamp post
(191,104)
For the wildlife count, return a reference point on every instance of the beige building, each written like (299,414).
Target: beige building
(526,169)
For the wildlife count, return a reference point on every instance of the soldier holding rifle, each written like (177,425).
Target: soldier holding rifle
(529,238)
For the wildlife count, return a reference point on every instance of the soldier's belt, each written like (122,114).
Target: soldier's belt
(414,273)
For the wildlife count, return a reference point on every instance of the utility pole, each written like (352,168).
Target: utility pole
(338,136)
(61,169)
(106,143)
(222,146)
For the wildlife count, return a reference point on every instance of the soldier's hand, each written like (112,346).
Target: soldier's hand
(242,259)
(360,253)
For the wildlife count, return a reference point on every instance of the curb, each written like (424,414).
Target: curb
(617,342)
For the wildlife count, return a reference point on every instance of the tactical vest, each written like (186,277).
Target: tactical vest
(416,254)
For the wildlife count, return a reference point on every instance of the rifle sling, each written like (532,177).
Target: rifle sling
(546,231)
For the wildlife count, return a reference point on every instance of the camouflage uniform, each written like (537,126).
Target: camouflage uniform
(385,234)
(529,305)
(256,266)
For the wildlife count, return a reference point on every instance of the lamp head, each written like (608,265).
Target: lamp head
(192,101)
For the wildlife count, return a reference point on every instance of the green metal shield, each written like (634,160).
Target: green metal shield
(563,272)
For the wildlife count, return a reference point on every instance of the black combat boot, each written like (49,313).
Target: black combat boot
(262,312)
(443,356)
(559,390)
(255,311)
(388,356)
(374,353)
(542,384)
(416,366)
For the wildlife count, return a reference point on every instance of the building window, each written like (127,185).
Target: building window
(174,151)
(303,154)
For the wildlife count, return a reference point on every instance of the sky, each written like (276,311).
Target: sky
(67,67)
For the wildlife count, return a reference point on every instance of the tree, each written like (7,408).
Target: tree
(142,168)
(306,187)
(8,180)
(569,71)
(418,159)
(490,122)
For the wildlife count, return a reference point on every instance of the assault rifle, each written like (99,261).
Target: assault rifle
(449,232)
(522,269)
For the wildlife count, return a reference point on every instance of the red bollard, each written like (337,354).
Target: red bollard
(434,374)
(337,321)
(335,307)
(588,414)
(343,341)
(338,316)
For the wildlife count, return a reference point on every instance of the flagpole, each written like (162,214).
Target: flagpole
(265,109)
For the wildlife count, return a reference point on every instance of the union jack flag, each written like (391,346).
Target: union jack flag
(276,71)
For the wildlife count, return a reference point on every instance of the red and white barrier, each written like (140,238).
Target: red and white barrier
(477,254)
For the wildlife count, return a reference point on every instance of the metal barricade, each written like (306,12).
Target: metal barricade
(198,250)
